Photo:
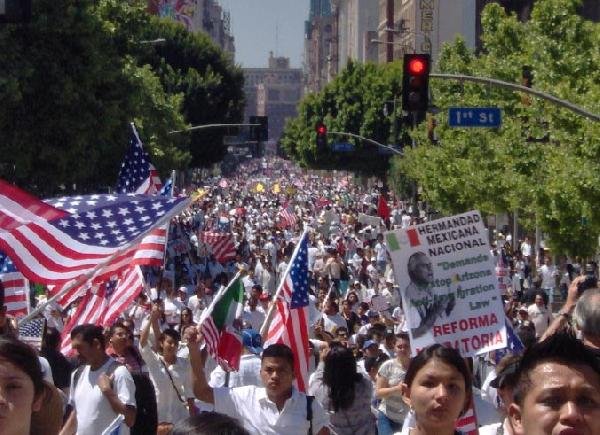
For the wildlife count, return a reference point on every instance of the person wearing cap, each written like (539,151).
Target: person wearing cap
(391,293)
(249,371)
(373,272)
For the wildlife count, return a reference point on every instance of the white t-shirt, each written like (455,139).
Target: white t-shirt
(260,416)
(94,413)
(170,408)
(248,374)
(255,318)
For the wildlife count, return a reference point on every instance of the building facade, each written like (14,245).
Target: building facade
(274,92)
(198,16)
(422,26)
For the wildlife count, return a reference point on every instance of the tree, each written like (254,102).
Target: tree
(353,102)
(543,160)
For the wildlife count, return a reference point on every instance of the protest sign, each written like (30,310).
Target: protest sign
(365,219)
(448,284)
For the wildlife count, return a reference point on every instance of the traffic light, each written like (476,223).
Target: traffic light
(321,130)
(15,11)
(259,133)
(415,82)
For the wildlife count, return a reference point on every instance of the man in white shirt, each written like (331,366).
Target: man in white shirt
(254,313)
(548,273)
(277,408)
(539,315)
(198,302)
(102,391)
(380,254)
(249,370)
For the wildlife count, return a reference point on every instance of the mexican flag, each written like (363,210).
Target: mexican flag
(221,325)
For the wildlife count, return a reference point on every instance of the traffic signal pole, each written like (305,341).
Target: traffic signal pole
(205,126)
(488,81)
(366,139)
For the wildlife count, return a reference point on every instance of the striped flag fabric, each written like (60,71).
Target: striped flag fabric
(93,230)
(103,304)
(32,332)
(222,337)
(290,321)
(222,244)
(467,423)
(137,174)
(15,287)
(287,217)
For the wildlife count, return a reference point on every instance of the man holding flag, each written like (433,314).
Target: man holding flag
(278,407)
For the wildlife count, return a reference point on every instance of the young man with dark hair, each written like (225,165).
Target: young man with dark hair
(277,408)
(558,389)
(101,389)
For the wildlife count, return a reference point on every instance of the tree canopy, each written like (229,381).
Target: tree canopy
(353,102)
(73,79)
(543,160)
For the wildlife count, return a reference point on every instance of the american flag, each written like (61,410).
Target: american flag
(93,231)
(137,174)
(514,345)
(290,321)
(221,244)
(15,287)
(288,218)
(32,332)
(467,423)
(103,304)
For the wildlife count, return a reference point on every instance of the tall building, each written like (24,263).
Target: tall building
(320,45)
(274,92)
(357,30)
(198,15)
(422,26)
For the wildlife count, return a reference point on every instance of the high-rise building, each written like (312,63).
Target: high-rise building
(198,15)
(320,45)
(274,92)
(357,30)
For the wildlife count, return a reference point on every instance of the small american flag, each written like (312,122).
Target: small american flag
(137,174)
(221,244)
(32,332)
(290,322)
(514,345)
(15,287)
(287,217)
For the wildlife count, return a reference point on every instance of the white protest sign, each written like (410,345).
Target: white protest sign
(365,219)
(448,284)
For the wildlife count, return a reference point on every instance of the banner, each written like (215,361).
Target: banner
(448,284)
(365,219)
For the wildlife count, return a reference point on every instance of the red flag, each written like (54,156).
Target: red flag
(413,237)
(383,211)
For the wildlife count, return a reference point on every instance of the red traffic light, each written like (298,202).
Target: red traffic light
(417,66)
(321,129)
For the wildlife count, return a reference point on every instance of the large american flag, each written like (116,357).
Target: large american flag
(103,304)
(221,244)
(15,287)
(290,321)
(137,174)
(93,232)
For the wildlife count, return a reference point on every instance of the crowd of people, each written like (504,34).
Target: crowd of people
(149,372)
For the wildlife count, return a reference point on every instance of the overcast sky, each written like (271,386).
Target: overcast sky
(260,26)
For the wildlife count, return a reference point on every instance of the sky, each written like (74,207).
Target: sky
(260,26)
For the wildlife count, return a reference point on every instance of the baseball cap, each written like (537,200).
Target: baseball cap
(369,343)
(252,341)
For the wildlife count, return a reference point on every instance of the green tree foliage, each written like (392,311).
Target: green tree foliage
(211,85)
(353,102)
(543,161)
(73,79)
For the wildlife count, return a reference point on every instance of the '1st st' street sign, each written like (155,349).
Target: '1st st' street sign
(490,117)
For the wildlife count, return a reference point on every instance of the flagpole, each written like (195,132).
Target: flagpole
(208,311)
(280,287)
(88,275)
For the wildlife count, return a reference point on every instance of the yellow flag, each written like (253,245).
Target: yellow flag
(259,188)
(198,194)
(276,188)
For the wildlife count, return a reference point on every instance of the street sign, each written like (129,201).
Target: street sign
(490,117)
(342,147)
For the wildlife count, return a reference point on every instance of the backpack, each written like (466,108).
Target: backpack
(146,416)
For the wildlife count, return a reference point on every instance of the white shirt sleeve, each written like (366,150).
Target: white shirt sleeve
(124,386)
